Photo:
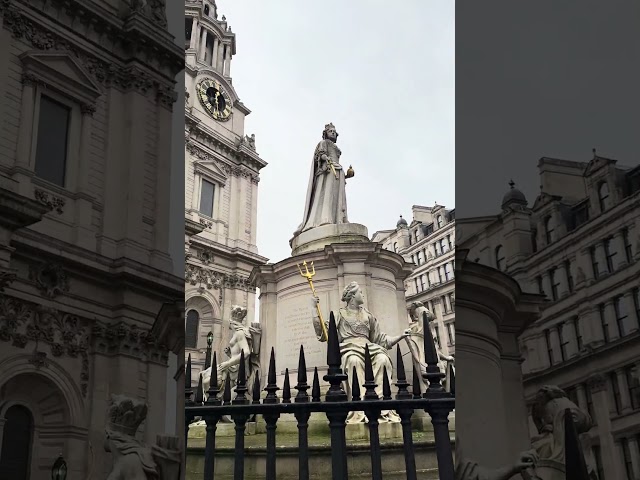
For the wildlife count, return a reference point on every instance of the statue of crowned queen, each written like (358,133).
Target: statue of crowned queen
(362,283)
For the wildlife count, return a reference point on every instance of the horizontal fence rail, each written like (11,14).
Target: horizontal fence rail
(437,402)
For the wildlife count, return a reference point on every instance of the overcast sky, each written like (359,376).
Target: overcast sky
(382,73)
(542,78)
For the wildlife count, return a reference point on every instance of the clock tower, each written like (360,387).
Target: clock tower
(222,171)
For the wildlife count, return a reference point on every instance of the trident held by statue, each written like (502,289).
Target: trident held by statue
(308,274)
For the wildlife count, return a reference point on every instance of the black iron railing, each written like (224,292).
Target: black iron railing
(435,401)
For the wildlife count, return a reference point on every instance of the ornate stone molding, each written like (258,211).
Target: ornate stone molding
(49,200)
(235,170)
(212,280)
(122,338)
(67,335)
(5,279)
(50,279)
(106,73)
(88,109)
(206,223)
(597,383)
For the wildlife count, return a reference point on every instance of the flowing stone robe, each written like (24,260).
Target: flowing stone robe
(326,202)
(415,342)
(355,330)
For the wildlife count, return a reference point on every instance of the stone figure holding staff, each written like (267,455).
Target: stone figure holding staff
(358,328)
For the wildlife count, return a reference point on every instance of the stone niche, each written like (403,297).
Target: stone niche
(285,300)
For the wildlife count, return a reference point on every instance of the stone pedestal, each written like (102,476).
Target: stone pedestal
(319,237)
(285,297)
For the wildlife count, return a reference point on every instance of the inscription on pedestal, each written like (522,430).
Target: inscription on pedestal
(294,329)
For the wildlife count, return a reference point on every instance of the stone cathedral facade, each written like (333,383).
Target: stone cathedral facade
(86,283)
(222,171)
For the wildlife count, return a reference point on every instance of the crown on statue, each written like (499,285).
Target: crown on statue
(125,414)
(238,313)
(329,126)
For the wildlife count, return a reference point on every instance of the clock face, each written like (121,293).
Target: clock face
(214,99)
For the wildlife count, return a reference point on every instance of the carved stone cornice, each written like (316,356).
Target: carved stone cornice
(235,170)
(67,335)
(212,280)
(6,277)
(126,40)
(125,339)
(50,201)
(597,383)
(51,279)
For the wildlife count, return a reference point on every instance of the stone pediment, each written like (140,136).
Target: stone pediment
(596,164)
(62,72)
(545,199)
(212,169)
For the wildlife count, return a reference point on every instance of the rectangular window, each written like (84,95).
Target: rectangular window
(422,282)
(445,308)
(626,454)
(540,285)
(590,410)
(615,390)
(416,282)
(603,323)
(567,269)
(416,235)
(610,253)
(633,381)
(576,326)
(443,246)
(439,275)
(555,284)
(620,308)
(547,336)
(436,249)
(447,272)
(627,245)
(594,262)
(52,141)
(563,344)
(206,198)
(450,333)
(451,302)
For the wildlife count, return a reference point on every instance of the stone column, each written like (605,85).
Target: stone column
(194,33)
(84,235)
(633,322)
(214,53)
(562,277)
(612,323)
(546,285)
(634,449)
(600,396)
(625,399)
(569,336)
(227,64)
(621,257)
(220,60)
(602,259)
(203,44)
(254,212)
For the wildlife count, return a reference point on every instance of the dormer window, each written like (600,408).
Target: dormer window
(439,220)
(603,196)
(548,229)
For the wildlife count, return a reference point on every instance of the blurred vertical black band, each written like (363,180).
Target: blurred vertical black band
(548,232)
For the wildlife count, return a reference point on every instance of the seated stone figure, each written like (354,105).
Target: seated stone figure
(548,416)
(133,460)
(356,328)
(243,340)
(415,341)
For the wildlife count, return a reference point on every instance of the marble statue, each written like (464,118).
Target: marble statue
(548,416)
(466,469)
(326,201)
(356,328)
(415,341)
(244,339)
(132,459)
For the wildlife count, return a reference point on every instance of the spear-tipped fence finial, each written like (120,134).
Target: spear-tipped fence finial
(226,394)
(355,386)
(315,389)
(188,390)
(334,376)
(302,385)
(272,386)
(255,391)
(241,385)
(286,388)
(386,386)
(402,384)
(212,393)
(433,375)
(415,387)
(369,381)
(199,400)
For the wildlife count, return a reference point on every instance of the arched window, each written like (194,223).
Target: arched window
(191,329)
(16,443)
(439,220)
(206,10)
(603,196)
(500,261)
(548,229)
(395,247)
